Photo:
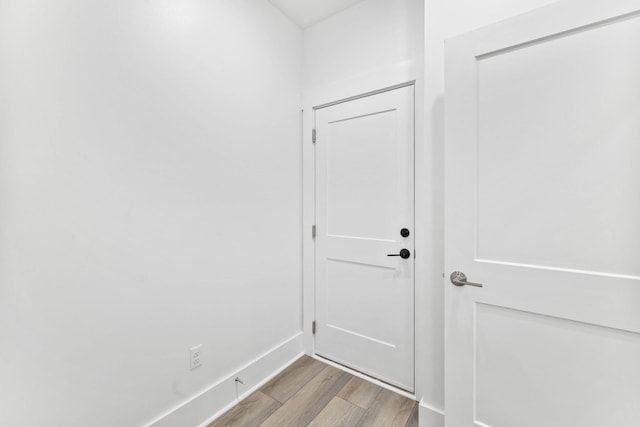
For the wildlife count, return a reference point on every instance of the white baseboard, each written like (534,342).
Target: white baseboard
(202,409)
(430,417)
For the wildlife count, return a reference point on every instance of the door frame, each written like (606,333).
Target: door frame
(402,75)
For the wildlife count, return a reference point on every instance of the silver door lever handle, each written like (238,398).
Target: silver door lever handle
(458,278)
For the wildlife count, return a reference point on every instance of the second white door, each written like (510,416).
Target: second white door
(542,207)
(365,234)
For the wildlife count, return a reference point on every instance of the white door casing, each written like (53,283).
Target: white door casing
(543,208)
(364,197)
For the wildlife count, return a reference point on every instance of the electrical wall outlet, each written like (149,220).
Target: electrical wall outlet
(195,357)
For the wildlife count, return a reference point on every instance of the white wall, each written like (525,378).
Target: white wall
(445,19)
(369,36)
(150,200)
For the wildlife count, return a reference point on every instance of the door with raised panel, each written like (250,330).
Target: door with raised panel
(542,209)
(365,233)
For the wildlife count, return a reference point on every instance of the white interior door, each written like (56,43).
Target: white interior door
(364,198)
(543,209)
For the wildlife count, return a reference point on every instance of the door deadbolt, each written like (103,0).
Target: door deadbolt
(405,232)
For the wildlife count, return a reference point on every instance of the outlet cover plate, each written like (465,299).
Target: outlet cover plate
(195,357)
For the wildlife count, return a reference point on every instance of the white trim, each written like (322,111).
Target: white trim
(215,400)
(365,377)
(364,95)
(429,416)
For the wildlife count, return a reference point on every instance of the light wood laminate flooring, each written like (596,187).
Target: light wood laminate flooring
(312,393)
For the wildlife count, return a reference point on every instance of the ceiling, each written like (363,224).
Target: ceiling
(308,12)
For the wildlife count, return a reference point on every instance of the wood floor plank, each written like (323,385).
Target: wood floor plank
(338,413)
(413,418)
(251,412)
(307,403)
(293,378)
(388,410)
(360,392)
